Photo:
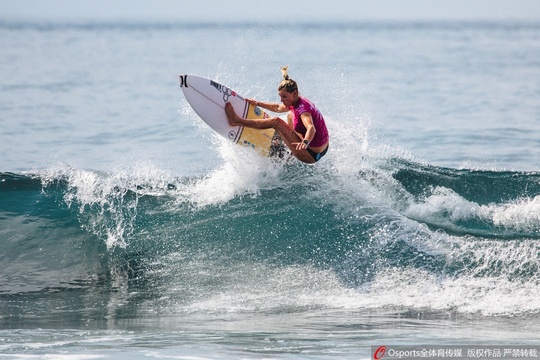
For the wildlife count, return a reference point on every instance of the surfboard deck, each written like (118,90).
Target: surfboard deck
(208,98)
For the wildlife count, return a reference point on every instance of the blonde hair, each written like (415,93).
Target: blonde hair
(287,83)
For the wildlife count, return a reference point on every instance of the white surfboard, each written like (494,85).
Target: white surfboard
(208,99)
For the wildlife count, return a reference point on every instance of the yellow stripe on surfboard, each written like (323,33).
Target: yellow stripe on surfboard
(260,140)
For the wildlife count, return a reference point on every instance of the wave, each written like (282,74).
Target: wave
(260,234)
(498,204)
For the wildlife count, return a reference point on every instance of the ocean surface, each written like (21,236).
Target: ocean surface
(129,230)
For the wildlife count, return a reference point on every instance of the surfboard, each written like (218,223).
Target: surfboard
(208,98)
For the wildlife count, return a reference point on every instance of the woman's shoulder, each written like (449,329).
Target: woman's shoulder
(304,103)
(307,105)
(304,100)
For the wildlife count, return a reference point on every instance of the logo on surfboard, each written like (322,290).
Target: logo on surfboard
(183,80)
(227,93)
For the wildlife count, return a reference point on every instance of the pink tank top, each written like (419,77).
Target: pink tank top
(321,133)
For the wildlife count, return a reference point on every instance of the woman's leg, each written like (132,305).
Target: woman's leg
(288,135)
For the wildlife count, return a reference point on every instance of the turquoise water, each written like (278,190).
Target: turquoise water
(129,230)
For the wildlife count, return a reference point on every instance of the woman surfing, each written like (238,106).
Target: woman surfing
(304,133)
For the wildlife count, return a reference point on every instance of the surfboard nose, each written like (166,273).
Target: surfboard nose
(182,78)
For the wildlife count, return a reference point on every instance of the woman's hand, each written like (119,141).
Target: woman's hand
(300,145)
(252,101)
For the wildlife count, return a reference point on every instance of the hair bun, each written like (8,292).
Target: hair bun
(287,83)
(285,72)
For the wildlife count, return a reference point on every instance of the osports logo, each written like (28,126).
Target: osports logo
(379,353)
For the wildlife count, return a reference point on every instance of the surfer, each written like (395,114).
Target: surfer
(304,133)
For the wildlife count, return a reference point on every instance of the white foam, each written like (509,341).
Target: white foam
(247,287)
(443,204)
(242,172)
(521,214)
(102,201)
(418,289)
(446,207)
(263,288)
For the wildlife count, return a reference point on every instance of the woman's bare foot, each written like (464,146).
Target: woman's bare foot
(235,120)
(232,117)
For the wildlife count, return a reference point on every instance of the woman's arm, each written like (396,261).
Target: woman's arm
(310,131)
(274,107)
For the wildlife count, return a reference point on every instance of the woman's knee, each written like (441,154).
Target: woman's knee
(276,121)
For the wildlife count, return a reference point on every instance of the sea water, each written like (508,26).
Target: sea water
(129,230)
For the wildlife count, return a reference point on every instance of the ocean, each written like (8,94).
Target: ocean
(129,230)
